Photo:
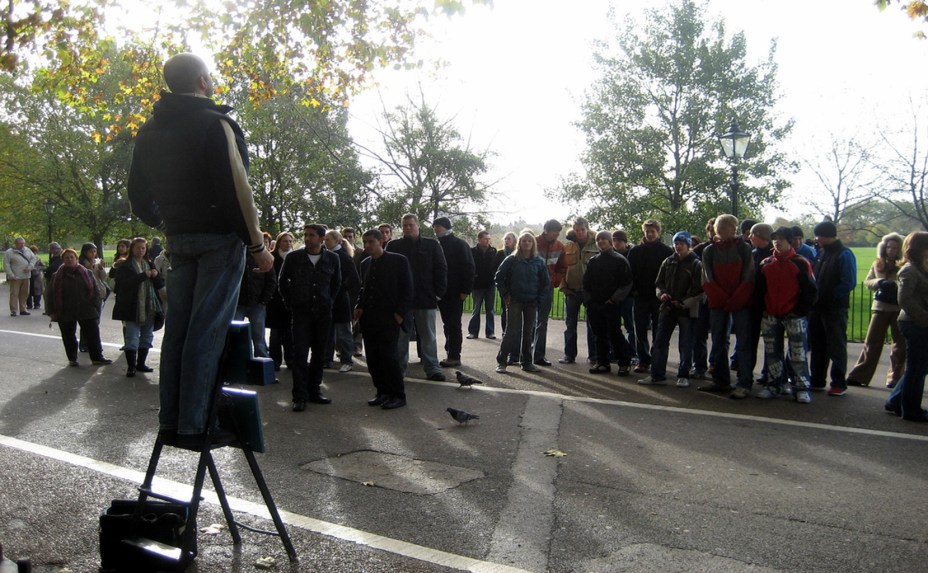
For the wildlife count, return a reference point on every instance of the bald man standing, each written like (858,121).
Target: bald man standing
(189,178)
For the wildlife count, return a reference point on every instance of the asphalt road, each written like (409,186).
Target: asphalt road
(653,478)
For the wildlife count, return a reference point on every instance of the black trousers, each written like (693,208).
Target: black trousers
(310,332)
(605,320)
(381,338)
(90,335)
(451,309)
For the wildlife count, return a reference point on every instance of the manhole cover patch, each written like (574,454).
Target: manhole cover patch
(394,472)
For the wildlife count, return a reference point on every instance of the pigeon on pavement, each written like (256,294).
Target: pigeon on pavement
(465,380)
(462,417)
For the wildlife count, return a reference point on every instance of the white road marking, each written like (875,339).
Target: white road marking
(342,532)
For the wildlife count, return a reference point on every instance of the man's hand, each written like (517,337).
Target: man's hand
(264,260)
(398,318)
(463,296)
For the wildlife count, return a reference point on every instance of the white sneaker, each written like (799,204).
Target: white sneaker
(683,382)
(346,368)
(650,381)
(501,368)
(803,397)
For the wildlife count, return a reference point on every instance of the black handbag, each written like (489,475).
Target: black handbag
(160,522)
(887,293)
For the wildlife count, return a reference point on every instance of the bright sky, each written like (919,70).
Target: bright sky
(517,73)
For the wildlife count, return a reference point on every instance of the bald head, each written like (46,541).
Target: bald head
(187,74)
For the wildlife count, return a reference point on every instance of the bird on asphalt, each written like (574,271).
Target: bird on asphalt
(462,417)
(465,380)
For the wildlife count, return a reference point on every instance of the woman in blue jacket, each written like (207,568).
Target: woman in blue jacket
(522,281)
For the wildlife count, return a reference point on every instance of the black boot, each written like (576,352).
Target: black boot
(140,363)
(131,356)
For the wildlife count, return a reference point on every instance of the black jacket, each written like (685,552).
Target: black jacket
(682,280)
(386,289)
(608,277)
(257,288)
(127,289)
(341,312)
(485,264)
(428,266)
(460,263)
(646,260)
(277,314)
(197,193)
(310,289)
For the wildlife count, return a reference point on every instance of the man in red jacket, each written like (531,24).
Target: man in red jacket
(787,288)
(728,281)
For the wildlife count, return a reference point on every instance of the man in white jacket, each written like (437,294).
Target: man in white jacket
(19,262)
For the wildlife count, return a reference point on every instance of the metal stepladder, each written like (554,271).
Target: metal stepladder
(220,435)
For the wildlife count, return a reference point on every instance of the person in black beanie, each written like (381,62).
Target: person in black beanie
(836,273)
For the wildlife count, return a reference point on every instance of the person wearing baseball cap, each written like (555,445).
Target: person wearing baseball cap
(679,290)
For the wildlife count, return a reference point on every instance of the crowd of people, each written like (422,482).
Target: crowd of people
(189,179)
(331,298)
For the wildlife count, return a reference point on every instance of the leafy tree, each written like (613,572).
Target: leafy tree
(845,174)
(651,123)
(304,167)
(77,158)
(432,171)
(905,169)
(915,9)
(33,27)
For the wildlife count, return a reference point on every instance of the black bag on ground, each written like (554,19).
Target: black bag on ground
(162,522)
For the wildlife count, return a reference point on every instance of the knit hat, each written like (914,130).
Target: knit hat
(54,245)
(784,233)
(825,229)
(620,235)
(442,222)
(683,236)
(746,225)
(762,230)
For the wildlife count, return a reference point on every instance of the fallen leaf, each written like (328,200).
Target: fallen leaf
(212,529)
(265,563)
(368,483)
(555,453)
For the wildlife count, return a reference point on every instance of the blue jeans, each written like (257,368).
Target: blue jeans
(486,298)
(424,319)
(628,322)
(666,323)
(721,322)
(572,304)
(541,326)
(828,343)
(256,316)
(518,337)
(203,287)
(647,312)
(906,398)
(138,335)
(701,357)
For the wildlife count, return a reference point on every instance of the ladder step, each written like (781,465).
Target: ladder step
(153,555)
(151,493)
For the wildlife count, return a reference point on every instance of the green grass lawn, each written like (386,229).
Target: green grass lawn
(861,297)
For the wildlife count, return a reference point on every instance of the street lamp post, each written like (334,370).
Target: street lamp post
(49,209)
(734,145)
